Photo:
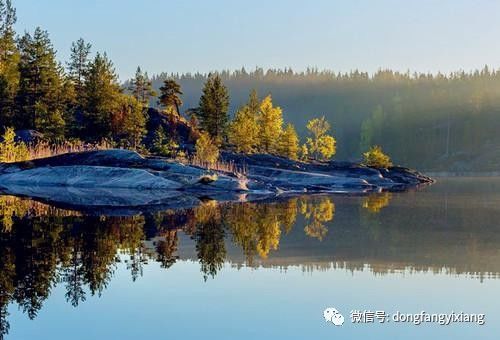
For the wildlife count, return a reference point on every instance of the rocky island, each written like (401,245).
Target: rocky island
(119,178)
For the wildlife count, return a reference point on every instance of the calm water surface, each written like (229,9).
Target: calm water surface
(262,270)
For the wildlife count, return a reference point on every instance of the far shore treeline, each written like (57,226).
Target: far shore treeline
(426,121)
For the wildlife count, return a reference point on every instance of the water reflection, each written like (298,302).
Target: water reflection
(376,202)
(42,246)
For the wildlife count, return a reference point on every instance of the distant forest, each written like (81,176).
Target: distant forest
(426,121)
(441,122)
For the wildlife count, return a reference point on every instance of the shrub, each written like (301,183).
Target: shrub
(375,157)
(304,152)
(163,145)
(207,151)
(10,150)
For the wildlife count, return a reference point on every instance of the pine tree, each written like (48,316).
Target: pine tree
(170,94)
(78,69)
(41,80)
(271,126)
(141,87)
(8,18)
(9,59)
(213,107)
(50,122)
(102,93)
(289,143)
(78,66)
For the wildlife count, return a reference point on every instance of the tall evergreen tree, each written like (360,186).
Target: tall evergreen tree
(102,93)
(141,87)
(78,66)
(41,81)
(213,107)
(50,122)
(170,94)
(9,58)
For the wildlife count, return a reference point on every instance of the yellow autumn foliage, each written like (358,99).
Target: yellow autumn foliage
(271,126)
(375,157)
(12,151)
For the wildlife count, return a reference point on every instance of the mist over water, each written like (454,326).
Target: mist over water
(438,122)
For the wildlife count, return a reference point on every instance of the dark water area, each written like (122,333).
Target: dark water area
(255,270)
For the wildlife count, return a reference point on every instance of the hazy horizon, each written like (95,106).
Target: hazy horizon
(188,36)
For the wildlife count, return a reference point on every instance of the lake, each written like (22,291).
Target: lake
(263,270)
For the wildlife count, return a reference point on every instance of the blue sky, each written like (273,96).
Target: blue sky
(190,36)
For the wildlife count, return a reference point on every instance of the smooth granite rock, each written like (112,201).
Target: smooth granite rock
(125,178)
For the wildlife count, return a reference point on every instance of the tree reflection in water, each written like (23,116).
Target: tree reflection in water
(376,202)
(42,246)
(317,211)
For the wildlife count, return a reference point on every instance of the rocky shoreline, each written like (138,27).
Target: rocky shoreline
(122,178)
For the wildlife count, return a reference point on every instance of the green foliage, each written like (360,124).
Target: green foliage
(209,237)
(170,94)
(207,151)
(321,146)
(10,150)
(102,93)
(141,87)
(86,103)
(50,123)
(78,66)
(41,79)
(431,121)
(213,107)
(375,157)
(163,145)
(289,143)
(9,59)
